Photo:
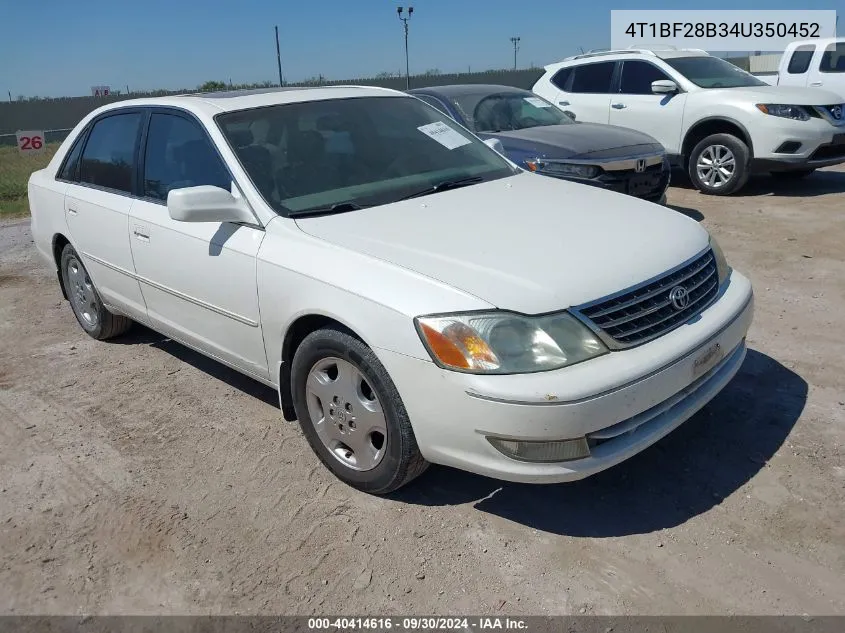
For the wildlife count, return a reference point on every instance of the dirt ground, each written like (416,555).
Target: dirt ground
(138,477)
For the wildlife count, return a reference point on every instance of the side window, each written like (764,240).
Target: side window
(593,78)
(180,154)
(434,102)
(800,60)
(637,77)
(70,168)
(833,60)
(561,77)
(109,156)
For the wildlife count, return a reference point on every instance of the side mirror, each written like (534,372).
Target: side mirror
(570,114)
(664,87)
(495,144)
(207,204)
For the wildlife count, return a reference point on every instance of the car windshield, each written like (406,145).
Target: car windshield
(513,110)
(341,155)
(712,72)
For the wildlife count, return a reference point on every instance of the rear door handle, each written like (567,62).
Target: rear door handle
(815,83)
(72,211)
(619,106)
(563,103)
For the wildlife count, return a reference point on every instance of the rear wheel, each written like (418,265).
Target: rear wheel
(351,413)
(719,165)
(87,306)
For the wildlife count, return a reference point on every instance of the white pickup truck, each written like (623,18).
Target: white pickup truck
(818,63)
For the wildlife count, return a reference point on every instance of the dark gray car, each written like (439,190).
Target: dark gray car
(539,137)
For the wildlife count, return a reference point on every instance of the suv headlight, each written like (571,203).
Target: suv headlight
(723,270)
(562,169)
(499,342)
(795,112)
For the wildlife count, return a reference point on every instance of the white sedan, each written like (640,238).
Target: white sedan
(413,296)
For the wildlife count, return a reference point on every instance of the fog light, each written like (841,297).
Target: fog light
(554,451)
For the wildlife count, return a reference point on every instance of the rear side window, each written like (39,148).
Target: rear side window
(109,156)
(562,77)
(800,60)
(180,154)
(637,77)
(593,78)
(70,169)
(833,60)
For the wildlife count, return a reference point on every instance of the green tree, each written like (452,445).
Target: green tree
(209,86)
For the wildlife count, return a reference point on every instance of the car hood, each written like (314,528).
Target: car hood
(790,95)
(578,140)
(525,243)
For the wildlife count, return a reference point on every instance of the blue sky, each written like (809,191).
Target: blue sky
(57,47)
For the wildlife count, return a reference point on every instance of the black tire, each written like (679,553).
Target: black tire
(742,160)
(796,174)
(106,324)
(402,460)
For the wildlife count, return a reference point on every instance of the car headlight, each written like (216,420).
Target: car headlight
(723,270)
(500,342)
(562,169)
(795,112)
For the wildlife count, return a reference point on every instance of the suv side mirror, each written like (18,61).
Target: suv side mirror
(664,87)
(207,204)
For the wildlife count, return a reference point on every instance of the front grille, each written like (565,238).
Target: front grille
(828,151)
(646,312)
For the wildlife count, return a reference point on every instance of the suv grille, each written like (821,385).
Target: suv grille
(636,316)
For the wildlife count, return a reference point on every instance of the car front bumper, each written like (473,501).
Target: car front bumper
(632,398)
(819,144)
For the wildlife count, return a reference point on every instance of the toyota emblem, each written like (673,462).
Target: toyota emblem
(679,297)
(640,166)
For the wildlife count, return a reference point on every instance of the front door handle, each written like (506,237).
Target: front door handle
(72,211)
(563,103)
(815,83)
(619,106)
(141,232)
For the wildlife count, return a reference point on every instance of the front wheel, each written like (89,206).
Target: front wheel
(351,413)
(719,165)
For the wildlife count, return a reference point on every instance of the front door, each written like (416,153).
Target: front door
(636,107)
(198,278)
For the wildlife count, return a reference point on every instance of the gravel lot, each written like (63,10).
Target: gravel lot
(138,477)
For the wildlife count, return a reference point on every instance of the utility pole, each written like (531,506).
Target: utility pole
(278,57)
(399,11)
(10,96)
(515,42)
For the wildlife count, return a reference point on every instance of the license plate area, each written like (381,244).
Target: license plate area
(707,359)
(643,183)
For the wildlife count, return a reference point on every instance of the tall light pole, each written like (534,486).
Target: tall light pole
(399,11)
(515,42)
(278,57)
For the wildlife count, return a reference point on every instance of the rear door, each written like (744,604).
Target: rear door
(98,201)
(585,90)
(798,65)
(198,278)
(635,106)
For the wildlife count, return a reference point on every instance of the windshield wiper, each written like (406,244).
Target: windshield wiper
(340,207)
(444,185)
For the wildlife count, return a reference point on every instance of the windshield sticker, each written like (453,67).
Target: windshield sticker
(445,135)
(538,103)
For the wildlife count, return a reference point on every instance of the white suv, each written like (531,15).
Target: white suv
(716,121)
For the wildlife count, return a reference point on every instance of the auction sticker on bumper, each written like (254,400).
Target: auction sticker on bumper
(707,359)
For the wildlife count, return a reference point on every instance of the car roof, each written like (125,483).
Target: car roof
(212,103)
(458,90)
(628,53)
